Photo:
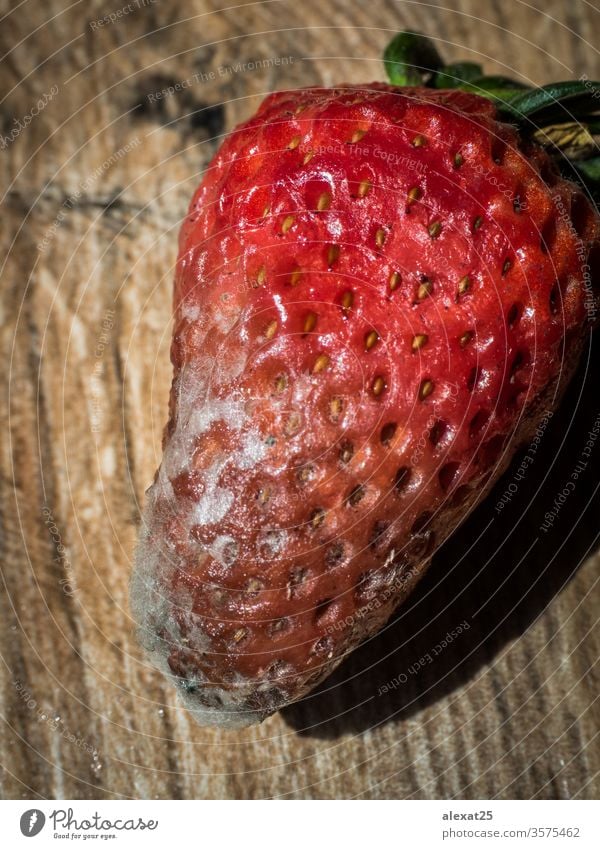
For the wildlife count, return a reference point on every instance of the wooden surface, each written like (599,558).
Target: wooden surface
(93,189)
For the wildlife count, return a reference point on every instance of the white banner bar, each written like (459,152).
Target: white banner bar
(303,825)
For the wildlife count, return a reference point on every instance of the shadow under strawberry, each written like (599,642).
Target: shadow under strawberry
(486,585)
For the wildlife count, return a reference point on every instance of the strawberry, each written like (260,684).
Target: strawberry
(379,292)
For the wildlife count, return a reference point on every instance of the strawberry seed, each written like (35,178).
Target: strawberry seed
(334,554)
(287,223)
(324,202)
(317,517)
(346,452)
(438,429)
(310,322)
(464,284)
(402,478)
(388,432)
(371,339)
(240,634)
(333,254)
(321,364)
(280,382)
(271,329)
(356,495)
(378,385)
(364,188)
(306,473)
(419,341)
(347,301)
(513,315)
(425,389)
(425,289)
(435,228)
(335,408)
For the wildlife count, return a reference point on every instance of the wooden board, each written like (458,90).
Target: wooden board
(94,187)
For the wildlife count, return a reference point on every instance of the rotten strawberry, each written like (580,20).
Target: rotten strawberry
(380,289)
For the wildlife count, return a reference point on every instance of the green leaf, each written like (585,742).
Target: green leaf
(456,74)
(557,97)
(592,123)
(497,88)
(590,169)
(587,174)
(498,83)
(410,59)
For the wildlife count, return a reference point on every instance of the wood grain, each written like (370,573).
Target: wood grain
(93,192)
